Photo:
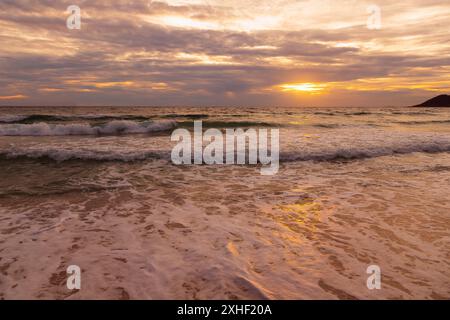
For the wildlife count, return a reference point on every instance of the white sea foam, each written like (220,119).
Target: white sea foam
(111,128)
(353,153)
(59,154)
(360,144)
(249,228)
(106,152)
(12,118)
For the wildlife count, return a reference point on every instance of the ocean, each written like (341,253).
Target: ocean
(95,187)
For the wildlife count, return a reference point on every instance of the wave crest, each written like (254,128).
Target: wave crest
(137,154)
(349,153)
(110,128)
(58,154)
(33,118)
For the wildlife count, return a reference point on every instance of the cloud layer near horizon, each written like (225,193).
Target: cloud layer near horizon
(223,52)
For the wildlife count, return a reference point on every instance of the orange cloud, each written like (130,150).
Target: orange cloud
(15,97)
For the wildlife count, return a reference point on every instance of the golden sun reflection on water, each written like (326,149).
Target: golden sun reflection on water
(301,216)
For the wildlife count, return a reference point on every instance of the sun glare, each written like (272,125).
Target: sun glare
(303,87)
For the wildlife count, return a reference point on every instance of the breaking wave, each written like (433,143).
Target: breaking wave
(12,118)
(350,153)
(58,154)
(135,154)
(27,119)
(33,118)
(110,128)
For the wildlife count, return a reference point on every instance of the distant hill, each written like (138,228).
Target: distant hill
(442,101)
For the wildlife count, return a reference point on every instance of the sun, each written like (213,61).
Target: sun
(312,88)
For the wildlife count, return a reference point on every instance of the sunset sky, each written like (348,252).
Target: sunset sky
(224,52)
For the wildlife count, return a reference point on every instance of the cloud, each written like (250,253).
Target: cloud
(204,52)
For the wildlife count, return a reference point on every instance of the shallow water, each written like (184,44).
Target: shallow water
(356,187)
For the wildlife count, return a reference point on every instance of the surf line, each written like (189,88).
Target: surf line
(233,145)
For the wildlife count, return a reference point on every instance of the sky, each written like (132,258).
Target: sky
(224,52)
